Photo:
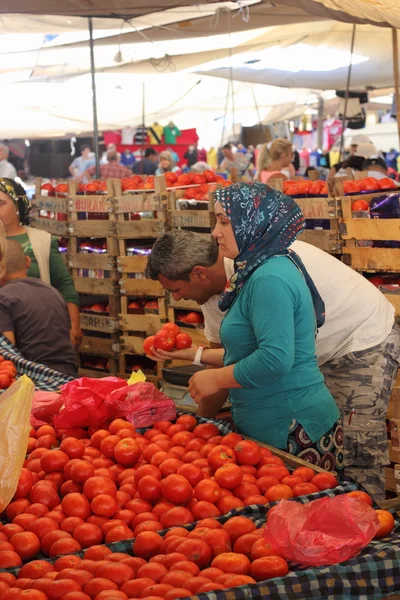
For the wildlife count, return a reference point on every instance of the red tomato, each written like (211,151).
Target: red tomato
(148,344)
(245,543)
(172,328)
(99,485)
(303,187)
(305,473)
(351,186)
(261,548)
(387,184)
(61,188)
(359,205)
(303,489)
(174,517)
(247,452)
(238,526)
(292,480)
(164,340)
(54,461)
(48,186)
(220,456)
(127,452)
(277,492)
(368,184)
(26,544)
(176,489)
(268,567)
(386,523)
(229,476)
(210,176)
(147,544)
(315,187)
(363,496)
(231,562)
(208,490)
(64,546)
(324,481)
(192,473)
(25,484)
(149,488)
(183,340)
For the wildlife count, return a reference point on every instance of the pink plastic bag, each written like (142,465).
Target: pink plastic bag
(84,402)
(142,404)
(323,532)
(45,405)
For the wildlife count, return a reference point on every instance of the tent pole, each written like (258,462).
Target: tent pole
(320,128)
(353,35)
(395,45)
(93,75)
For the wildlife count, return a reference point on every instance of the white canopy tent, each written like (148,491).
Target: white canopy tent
(47,86)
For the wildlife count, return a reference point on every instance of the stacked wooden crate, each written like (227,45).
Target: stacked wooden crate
(92,257)
(393,416)
(143,307)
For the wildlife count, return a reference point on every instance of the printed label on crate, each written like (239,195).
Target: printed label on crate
(59,228)
(97,323)
(140,203)
(49,204)
(89,204)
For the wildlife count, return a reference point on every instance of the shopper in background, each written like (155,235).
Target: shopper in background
(175,155)
(235,163)
(166,164)
(148,164)
(128,159)
(46,261)
(272,307)
(78,165)
(191,155)
(275,161)
(111,170)
(34,316)
(375,167)
(391,159)
(110,148)
(6,168)
(357,347)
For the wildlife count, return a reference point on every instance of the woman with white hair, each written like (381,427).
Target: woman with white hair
(166,164)
(6,168)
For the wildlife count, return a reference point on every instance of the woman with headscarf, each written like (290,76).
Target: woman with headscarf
(42,249)
(166,164)
(272,310)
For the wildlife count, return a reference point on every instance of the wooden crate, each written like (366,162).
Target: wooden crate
(56,221)
(354,230)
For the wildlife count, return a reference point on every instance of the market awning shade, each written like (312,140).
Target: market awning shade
(378,12)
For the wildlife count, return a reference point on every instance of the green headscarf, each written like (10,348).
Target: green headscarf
(16,192)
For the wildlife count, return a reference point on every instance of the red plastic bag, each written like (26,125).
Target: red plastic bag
(45,406)
(142,404)
(323,532)
(84,402)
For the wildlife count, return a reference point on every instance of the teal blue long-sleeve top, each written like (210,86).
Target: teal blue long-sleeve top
(269,335)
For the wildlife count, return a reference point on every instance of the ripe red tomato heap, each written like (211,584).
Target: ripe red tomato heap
(168,338)
(8,373)
(82,489)
(320,188)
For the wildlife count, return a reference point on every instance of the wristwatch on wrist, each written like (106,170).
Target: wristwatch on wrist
(197,358)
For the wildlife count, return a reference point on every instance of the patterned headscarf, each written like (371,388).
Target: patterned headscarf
(17,193)
(265,223)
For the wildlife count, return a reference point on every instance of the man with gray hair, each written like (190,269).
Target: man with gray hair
(358,347)
(6,168)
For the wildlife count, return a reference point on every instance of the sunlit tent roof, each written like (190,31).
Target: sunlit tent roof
(184,54)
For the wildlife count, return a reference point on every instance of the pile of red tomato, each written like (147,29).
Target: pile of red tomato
(168,338)
(8,373)
(350,186)
(82,489)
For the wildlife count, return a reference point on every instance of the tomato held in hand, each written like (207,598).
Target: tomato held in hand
(148,344)
(164,340)
(172,328)
(183,340)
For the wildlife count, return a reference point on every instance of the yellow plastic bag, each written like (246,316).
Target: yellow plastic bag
(15,412)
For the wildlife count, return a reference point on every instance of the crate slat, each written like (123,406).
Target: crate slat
(138,202)
(376,259)
(326,239)
(98,346)
(146,228)
(57,228)
(141,287)
(95,228)
(148,324)
(89,285)
(132,264)
(370,229)
(320,208)
(132,344)
(91,261)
